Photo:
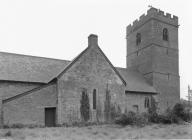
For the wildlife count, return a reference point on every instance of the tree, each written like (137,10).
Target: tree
(107,104)
(85,106)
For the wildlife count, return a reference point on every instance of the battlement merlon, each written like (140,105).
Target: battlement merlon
(155,14)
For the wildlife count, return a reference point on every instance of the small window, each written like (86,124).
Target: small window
(138,38)
(165,34)
(136,108)
(94,99)
(146,102)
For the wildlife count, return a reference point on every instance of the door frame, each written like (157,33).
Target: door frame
(55,110)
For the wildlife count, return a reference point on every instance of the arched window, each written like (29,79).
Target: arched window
(165,34)
(146,102)
(94,99)
(138,38)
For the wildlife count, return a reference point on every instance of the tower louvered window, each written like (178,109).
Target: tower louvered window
(165,34)
(138,38)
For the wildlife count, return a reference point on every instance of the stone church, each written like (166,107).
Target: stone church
(48,92)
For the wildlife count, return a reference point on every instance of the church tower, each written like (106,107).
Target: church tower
(152,49)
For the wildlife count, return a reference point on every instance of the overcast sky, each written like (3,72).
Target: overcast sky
(59,28)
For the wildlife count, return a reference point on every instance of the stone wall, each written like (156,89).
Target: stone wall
(169,89)
(29,109)
(91,71)
(138,99)
(11,88)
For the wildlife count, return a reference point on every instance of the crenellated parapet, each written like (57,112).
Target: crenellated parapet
(155,14)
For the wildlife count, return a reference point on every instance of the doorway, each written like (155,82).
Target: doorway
(50,116)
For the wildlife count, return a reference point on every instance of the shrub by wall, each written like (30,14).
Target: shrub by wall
(85,107)
(132,118)
(177,115)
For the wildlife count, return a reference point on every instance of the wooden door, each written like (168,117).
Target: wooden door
(50,115)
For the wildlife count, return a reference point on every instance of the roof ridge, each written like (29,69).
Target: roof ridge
(128,69)
(25,55)
(120,68)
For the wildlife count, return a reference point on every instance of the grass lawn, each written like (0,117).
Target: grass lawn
(100,132)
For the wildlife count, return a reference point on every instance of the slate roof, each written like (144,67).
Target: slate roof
(16,67)
(135,81)
(24,68)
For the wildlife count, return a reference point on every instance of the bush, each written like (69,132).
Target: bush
(179,111)
(164,119)
(187,116)
(142,119)
(126,119)
(8,134)
(17,126)
(114,112)
(183,113)
(168,117)
(85,107)
(153,117)
(131,118)
(80,124)
(175,115)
